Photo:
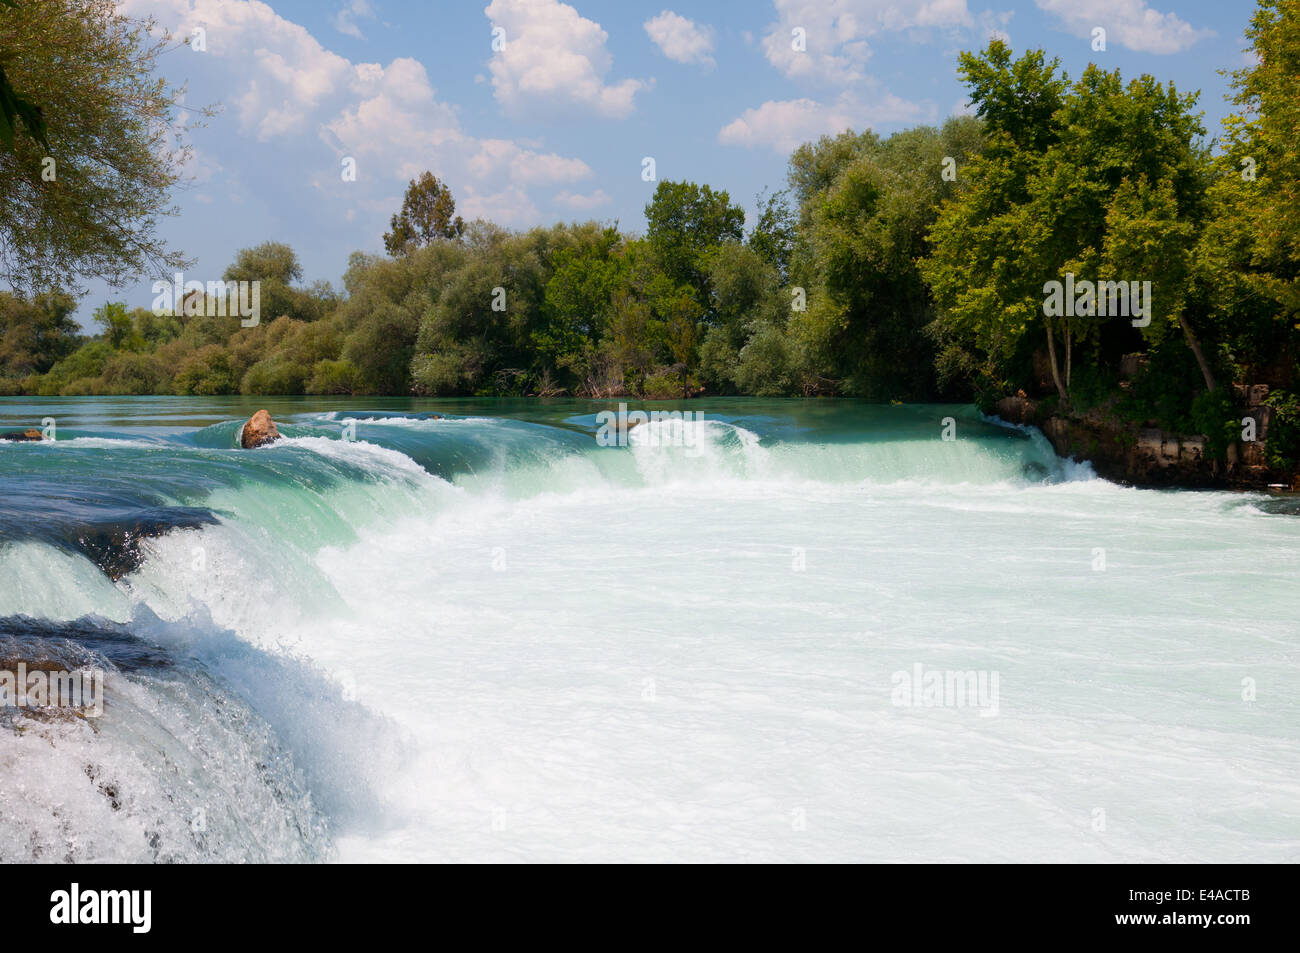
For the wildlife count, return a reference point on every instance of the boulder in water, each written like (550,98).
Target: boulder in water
(259,431)
(22,436)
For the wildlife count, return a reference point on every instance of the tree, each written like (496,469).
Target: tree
(119,330)
(36,333)
(275,266)
(866,219)
(1109,186)
(87,203)
(685,221)
(428,214)
(13,106)
(1259,185)
(775,231)
(269,261)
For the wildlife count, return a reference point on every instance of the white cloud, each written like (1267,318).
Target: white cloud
(345,20)
(681,39)
(783,125)
(1130,23)
(582,203)
(555,57)
(305,108)
(836,33)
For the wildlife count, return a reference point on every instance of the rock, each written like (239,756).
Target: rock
(1193,447)
(22,436)
(1015,410)
(259,431)
(1150,441)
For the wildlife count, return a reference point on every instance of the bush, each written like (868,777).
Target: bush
(88,361)
(133,374)
(764,368)
(332,377)
(665,385)
(1282,446)
(207,372)
(1215,415)
(274,376)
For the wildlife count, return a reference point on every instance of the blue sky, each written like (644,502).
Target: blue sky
(555,125)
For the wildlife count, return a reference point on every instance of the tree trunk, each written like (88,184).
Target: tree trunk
(1069,356)
(1196,349)
(1056,370)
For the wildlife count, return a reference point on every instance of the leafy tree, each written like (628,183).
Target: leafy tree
(276,267)
(685,221)
(775,231)
(1247,262)
(428,214)
(119,329)
(13,106)
(865,231)
(1107,182)
(269,261)
(113,136)
(36,333)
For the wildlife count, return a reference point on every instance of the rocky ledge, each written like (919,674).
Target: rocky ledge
(1126,452)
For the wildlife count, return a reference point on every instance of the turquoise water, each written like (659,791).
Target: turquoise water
(484,636)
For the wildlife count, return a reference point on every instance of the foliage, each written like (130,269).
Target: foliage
(112,134)
(428,214)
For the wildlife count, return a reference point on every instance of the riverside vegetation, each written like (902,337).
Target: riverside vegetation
(912,267)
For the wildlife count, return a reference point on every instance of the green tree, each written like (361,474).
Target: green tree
(428,214)
(685,221)
(275,266)
(1110,186)
(13,106)
(1248,259)
(866,228)
(113,138)
(775,231)
(119,329)
(36,333)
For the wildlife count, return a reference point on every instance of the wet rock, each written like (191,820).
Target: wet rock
(259,431)
(1016,410)
(22,436)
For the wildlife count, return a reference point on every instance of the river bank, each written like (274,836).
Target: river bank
(1142,454)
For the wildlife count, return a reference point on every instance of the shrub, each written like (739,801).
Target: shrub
(274,376)
(332,377)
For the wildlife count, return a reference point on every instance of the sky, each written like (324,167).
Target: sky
(537,111)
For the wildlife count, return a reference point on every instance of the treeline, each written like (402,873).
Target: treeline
(913,267)
(821,295)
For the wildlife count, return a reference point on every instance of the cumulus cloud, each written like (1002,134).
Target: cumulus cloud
(553,58)
(304,109)
(783,125)
(1130,23)
(835,36)
(345,20)
(581,203)
(681,39)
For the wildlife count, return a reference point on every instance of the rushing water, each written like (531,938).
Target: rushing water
(486,637)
